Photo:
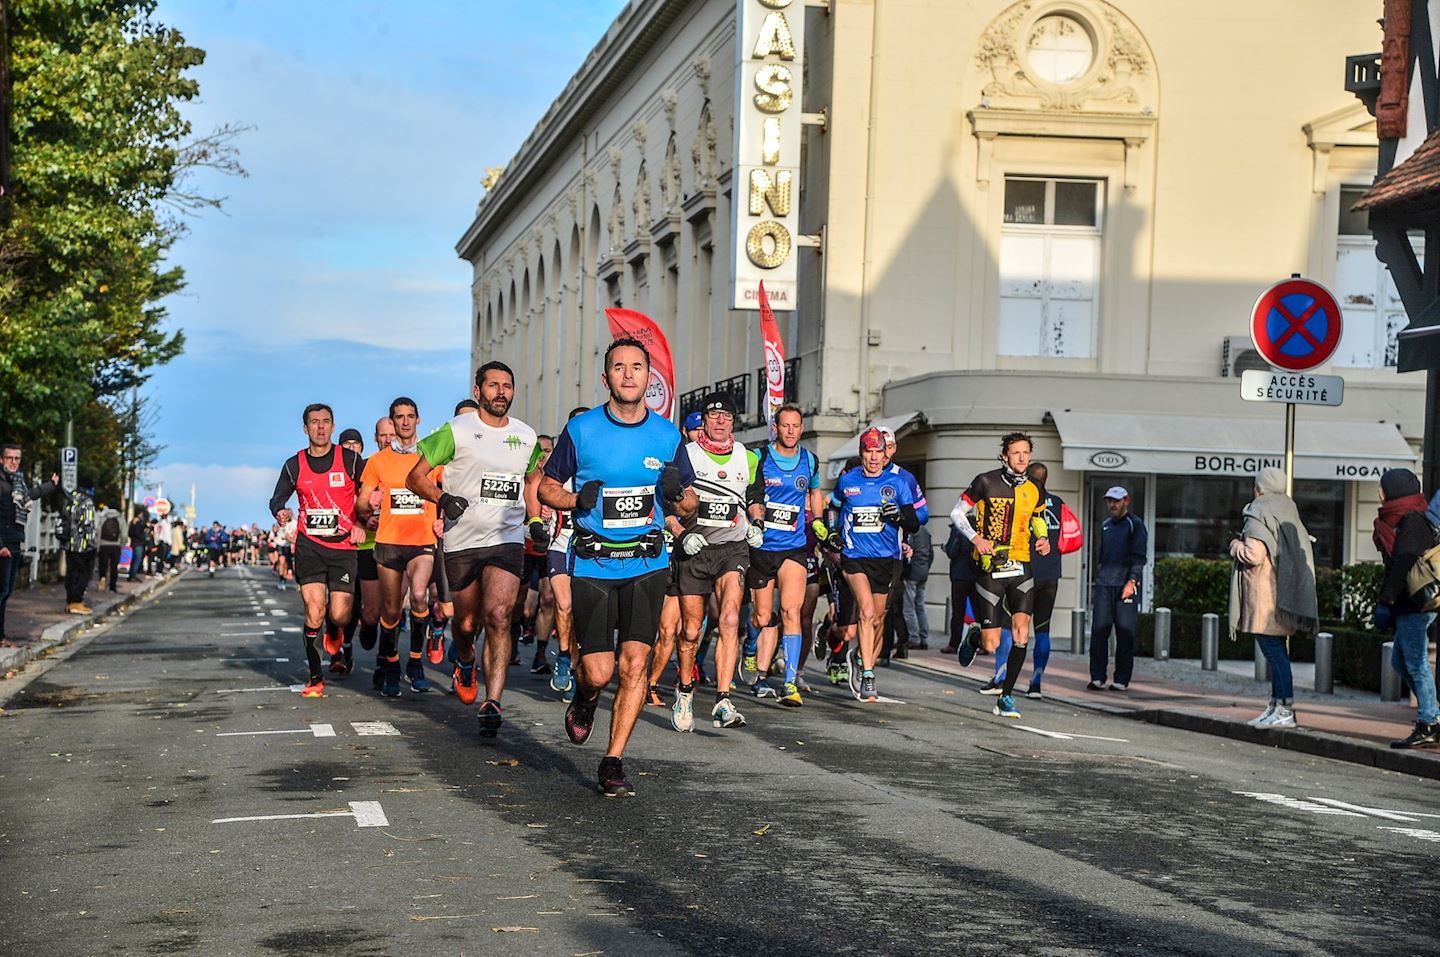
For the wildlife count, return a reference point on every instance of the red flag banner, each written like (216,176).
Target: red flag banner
(627,323)
(774,360)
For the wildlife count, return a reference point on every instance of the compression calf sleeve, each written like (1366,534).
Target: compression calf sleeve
(1013,665)
(752,638)
(367,635)
(1042,656)
(791,644)
(389,638)
(312,653)
(419,627)
(1002,654)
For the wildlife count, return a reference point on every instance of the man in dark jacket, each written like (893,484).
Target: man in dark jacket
(15,498)
(109,538)
(962,585)
(917,570)
(139,533)
(1403,534)
(1124,543)
(77,534)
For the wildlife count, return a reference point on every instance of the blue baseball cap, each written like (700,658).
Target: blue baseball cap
(693,421)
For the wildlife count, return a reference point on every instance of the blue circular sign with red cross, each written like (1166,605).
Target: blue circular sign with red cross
(1296,325)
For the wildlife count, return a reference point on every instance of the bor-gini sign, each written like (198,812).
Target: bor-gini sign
(766,188)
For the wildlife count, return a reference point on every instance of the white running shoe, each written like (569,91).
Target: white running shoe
(1263,716)
(1281,717)
(726,715)
(682,712)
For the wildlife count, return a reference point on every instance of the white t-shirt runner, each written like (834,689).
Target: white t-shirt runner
(486,466)
(720,485)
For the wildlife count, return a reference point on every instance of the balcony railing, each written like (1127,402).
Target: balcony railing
(792,386)
(739,389)
(1362,77)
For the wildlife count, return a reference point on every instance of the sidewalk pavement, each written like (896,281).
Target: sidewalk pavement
(1349,725)
(36,620)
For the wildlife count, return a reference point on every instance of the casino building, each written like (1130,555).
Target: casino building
(972,216)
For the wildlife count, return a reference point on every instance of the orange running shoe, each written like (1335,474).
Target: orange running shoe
(653,699)
(314,688)
(467,689)
(435,648)
(333,646)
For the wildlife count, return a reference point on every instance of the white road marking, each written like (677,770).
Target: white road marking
(256,659)
(318,730)
(375,728)
(290,629)
(1415,832)
(1067,736)
(246,634)
(1297,804)
(279,611)
(269,601)
(365,813)
(292,688)
(1405,817)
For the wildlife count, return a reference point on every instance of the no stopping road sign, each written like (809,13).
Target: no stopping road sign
(1296,324)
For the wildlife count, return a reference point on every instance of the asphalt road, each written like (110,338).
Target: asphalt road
(921,825)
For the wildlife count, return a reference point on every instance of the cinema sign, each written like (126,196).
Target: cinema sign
(766,187)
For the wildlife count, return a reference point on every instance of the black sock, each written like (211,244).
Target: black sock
(685,689)
(367,635)
(1013,664)
(350,630)
(721,696)
(419,631)
(389,640)
(312,653)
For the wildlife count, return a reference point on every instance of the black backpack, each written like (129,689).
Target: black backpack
(110,529)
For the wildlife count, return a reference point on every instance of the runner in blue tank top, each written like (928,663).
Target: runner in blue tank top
(871,503)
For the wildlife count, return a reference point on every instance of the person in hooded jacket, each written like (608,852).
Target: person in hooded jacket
(1403,534)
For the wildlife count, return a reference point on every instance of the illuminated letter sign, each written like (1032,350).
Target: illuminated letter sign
(770,52)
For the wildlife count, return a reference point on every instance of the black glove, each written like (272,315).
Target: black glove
(670,485)
(890,512)
(588,496)
(539,534)
(453,506)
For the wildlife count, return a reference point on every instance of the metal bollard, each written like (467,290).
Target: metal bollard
(1390,685)
(1210,642)
(1325,663)
(1262,664)
(1162,634)
(1077,631)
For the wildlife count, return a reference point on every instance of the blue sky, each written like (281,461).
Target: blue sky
(331,274)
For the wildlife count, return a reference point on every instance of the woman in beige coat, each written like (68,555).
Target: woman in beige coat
(1272,588)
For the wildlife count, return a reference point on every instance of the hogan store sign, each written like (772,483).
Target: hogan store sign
(770,49)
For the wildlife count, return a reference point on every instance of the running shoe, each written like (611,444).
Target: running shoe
(339,667)
(802,684)
(1095,686)
(490,718)
(966,652)
(991,688)
(837,673)
(749,670)
(561,679)
(569,694)
(612,779)
(1034,692)
(415,675)
(791,698)
(726,716)
(467,689)
(682,712)
(854,670)
(333,645)
(777,667)
(580,719)
(1264,716)
(763,689)
(540,667)
(867,688)
(435,644)
(527,635)
(390,680)
(653,699)
(314,688)
(1005,707)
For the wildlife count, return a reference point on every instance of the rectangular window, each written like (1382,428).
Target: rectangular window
(1373,312)
(1195,516)
(1050,267)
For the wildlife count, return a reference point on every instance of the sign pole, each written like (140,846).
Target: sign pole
(1290,449)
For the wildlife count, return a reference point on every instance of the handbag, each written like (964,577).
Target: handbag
(1072,536)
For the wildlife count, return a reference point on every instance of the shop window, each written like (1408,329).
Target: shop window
(1050,267)
(1196,516)
(1374,314)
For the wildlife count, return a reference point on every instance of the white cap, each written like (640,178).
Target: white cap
(1117,492)
(888,432)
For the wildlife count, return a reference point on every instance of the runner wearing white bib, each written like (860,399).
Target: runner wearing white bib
(490,482)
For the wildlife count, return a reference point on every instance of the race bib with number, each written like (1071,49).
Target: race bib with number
(498,488)
(866,519)
(322,522)
(405,502)
(717,512)
(626,507)
(782,518)
(1008,569)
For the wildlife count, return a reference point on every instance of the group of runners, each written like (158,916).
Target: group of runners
(632,542)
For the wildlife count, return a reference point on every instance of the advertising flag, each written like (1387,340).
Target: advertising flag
(627,323)
(774,361)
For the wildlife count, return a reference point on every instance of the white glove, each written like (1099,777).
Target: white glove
(692,543)
(754,535)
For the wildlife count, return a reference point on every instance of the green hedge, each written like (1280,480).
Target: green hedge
(1200,585)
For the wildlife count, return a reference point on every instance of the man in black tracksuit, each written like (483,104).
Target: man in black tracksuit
(1116,600)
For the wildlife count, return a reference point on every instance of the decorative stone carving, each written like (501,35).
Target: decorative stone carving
(640,204)
(701,66)
(616,158)
(669,99)
(640,130)
(670,188)
(702,151)
(617,220)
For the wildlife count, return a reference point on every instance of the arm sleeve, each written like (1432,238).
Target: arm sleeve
(1139,539)
(561,465)
(909,520)
(922,507)
(961,520)
(439,446)
(284,487)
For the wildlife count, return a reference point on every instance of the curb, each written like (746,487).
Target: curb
(13,659)
(1317,743)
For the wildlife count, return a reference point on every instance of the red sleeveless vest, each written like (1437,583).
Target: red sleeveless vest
(327,502)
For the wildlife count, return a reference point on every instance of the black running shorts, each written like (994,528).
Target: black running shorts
(464,568)
(533,571)
(557,563)
(996,599)
(765,566)
(316,564)
(365,562)
(397,558)
(698,574)
(604,605)
(880,571)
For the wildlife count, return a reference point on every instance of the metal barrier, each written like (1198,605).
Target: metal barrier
(1325,663)
(1390,683)
(1210,642)
(1077,631)
(1162,634)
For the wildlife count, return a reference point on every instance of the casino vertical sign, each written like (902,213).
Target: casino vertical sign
(766,187)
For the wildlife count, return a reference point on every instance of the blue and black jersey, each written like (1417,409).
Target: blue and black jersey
(864,533)
(787,481)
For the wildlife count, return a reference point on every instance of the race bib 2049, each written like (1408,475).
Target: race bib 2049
(626,507)
(405,502)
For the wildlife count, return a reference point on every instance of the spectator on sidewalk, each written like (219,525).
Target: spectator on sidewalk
(15,498)
(1403,534)
(917,572)
(109,539)
(962,585)
(76,533)
(1272,588)
(178,543)
(139,533)
(1116,599)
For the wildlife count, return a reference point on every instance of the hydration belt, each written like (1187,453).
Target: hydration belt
(586,544)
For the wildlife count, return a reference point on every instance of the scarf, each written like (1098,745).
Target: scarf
(404,449)
(716,448)
(1391,511)
(1273,520)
